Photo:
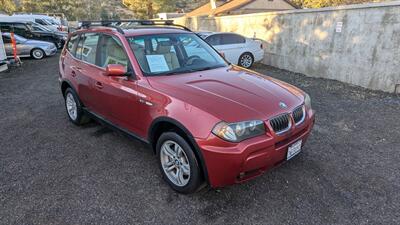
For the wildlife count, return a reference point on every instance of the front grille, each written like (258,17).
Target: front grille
(299,115)
(281,123)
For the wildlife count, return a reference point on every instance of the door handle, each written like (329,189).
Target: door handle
(73,73)
(99,85)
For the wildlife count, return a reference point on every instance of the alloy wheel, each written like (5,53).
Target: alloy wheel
(71,106)
(37,54)
(246,60)
(175,163)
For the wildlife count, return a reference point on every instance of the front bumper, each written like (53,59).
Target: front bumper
(230,163)
(50,52)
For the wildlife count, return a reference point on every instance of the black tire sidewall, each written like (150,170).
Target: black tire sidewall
(195,172)
(80,112)
(252,59)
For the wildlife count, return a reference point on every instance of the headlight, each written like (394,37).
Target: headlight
(307,101)
(237,132)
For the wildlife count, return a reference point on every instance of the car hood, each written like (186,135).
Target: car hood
(231,94)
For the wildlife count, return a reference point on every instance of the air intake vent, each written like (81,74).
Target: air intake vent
(299,114)
(281,123)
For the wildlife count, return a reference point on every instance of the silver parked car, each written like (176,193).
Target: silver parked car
(28,48)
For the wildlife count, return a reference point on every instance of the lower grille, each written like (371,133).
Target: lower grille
(281,123)
(299,115)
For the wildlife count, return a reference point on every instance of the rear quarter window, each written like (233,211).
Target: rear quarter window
(228,39)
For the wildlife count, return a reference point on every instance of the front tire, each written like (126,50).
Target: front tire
(74,108)
(178,163)
(38,54)
(246,60)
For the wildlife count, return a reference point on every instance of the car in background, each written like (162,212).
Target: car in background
(44,20)
(236,49)
(28,31)
(28,48)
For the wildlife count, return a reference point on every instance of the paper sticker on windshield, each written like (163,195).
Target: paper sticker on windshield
(157,63)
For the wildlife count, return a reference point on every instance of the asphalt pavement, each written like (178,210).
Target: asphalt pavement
(53,172)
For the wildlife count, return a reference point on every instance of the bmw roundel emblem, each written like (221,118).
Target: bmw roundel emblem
(282,105)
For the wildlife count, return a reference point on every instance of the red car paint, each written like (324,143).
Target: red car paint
(197,102)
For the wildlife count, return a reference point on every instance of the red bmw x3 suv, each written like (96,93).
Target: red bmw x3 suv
(208,122)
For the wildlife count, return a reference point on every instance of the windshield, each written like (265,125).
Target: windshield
(168,54)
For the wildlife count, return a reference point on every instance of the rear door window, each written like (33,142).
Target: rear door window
(89,47)
(229,39)
(214,39)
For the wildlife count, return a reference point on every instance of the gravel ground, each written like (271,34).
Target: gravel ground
(52,172)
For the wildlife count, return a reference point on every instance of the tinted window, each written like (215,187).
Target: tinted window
(111,51)
(41,22)
(89,47)
(6,40)
(228,39)
(20,29)
(214,39)
(72,43)
(5,28)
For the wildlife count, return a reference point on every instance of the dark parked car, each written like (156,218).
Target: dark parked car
(28,48)
(26,30)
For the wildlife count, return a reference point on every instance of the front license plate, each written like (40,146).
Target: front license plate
(293,150)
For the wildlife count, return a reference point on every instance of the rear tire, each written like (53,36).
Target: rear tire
(246,60)
(37,53)
(178,163)
(74,108)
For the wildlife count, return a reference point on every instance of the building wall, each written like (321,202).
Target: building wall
(358,44)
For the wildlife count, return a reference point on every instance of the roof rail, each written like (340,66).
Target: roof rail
(114,23)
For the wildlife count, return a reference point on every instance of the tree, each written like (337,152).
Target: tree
(8,6)
(325,3)
(146,9)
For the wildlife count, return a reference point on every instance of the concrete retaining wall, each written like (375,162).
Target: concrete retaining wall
(358,44)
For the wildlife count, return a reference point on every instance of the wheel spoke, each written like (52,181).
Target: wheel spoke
(168,151)
(170,168)
(178,150)
(178,176)
(186,169)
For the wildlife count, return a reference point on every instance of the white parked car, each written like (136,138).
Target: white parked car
(236,49)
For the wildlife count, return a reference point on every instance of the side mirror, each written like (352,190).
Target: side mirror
(115,70)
